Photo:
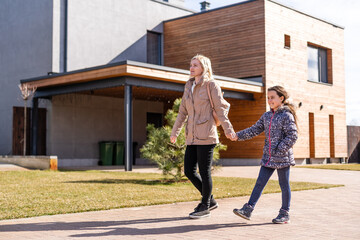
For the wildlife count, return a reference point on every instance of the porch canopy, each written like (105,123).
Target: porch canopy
(126,80)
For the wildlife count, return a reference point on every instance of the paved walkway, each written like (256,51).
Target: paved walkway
(315,214)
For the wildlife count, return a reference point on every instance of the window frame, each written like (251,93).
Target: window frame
(328,60)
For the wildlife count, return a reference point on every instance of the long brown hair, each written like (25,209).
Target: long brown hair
(281,92)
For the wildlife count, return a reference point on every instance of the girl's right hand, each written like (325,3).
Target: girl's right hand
(173,139)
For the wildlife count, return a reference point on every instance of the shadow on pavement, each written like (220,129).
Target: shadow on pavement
(116,228)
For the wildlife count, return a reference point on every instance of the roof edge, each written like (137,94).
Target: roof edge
(306,14)
(141,64)
(175,6)
(248,1)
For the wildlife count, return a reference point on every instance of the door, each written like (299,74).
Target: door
(18,131)
(311,135)
(332,136)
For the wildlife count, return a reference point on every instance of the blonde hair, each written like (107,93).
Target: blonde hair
(281,92)
(206,66)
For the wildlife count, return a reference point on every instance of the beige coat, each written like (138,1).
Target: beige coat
(195,109)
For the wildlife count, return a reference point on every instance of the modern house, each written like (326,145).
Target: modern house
(284,47)
(115,66)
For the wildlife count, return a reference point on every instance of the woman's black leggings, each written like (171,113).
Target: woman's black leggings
(203,156)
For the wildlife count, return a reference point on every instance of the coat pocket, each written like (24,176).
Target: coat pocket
(202,129)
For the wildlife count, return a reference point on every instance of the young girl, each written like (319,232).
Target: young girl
(201,132)
(280,129)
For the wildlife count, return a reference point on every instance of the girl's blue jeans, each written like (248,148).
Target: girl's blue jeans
(264,176)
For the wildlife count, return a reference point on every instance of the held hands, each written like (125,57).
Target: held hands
(232,136)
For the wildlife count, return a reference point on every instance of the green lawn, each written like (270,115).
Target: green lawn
(350,167)
(36,193)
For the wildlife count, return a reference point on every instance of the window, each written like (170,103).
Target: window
(154,48)
(286,41)
(319,64)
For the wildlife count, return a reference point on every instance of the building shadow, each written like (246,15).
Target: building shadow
(138,50)
(119,228)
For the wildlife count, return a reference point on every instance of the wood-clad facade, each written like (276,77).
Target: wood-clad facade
(264,38)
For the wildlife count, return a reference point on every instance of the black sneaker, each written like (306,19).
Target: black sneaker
(201,211)
(197,207)
(244,212)
(282,218)
(213,203)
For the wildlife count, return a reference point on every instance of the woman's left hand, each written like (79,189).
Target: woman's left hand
(232,136)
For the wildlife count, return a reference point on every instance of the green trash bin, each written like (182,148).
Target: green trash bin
(106,153)
(119,153)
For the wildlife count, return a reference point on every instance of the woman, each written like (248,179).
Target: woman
(201,131)
(280,127)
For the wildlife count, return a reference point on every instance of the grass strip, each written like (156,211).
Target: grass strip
(348,167)
(36,193)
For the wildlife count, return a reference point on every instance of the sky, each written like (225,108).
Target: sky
(344,13)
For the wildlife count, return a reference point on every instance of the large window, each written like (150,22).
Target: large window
(154,48)
(318,64)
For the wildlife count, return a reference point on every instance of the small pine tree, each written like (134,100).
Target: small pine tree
(169,157)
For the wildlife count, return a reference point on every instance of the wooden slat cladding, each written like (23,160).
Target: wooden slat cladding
(244,114)
(234,39)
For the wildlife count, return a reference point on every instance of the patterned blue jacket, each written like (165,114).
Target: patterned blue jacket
(280,136)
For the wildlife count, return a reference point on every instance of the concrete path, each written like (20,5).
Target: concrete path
(315,214)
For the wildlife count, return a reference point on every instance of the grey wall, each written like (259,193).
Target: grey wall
(99,32)
(105,31)
(25,51)
(79,122)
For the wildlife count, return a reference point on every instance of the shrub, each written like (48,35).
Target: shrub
(169,157)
